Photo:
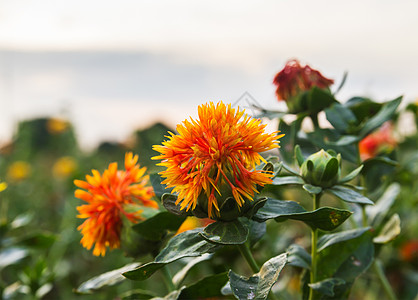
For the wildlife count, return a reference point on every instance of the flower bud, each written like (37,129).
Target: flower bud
(321,169)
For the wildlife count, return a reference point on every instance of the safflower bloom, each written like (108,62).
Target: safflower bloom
(56,126)
(64,167)
(19,170)
(378,141)
(106,196)
(295,78)
(214,157)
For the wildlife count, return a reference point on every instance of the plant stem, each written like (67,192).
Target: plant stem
(377,267)
(168,279)
(246,253)
(364,216)
(314,241)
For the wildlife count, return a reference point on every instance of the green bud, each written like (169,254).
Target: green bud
(321,169)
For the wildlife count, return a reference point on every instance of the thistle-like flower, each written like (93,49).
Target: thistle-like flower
(107,196)
(214,158)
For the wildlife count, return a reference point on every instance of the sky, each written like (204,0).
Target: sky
(114,66)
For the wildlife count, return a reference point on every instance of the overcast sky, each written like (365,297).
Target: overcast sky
(112,66)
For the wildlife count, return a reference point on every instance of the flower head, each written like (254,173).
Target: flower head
(107,195)
(214,158)
(376,142)
(295,78)
(64,167)
(19,170)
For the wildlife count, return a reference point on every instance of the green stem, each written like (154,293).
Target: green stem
(168,279)
(364,216)
(377,267)
(314,241)
(246,253)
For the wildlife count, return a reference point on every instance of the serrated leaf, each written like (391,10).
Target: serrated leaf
(169,202)
(319,99)
(225,233)
(298,257)
(331,170)
(156,227)
(324,218)
(330,239)
(326,286)
(353,174)
(207,287)
(106,279)
(312,189)
(283,180)
(349,195)
(390,231)
(185,244)
(385,113)
(256,230)
(180,275)
(258,286)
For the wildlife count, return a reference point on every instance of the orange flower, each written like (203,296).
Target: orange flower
(378,141)
(409,251)
(214,157)
(295,78)
(106,196)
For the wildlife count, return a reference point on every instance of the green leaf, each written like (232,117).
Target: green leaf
(137,294)
(340,117)
(330,239)
(159,188)
(390,231)
(283,180)
(106,279)
(39,240)
(256,230)
(299,156)
(209,286)
(353,174)
(345,140)
(319,99)
(185,244)
(326,286)
(312,189)
(258,286)
(156,227)
(169,202)
(180,275)
(377,213)
(345,260)
(298,257)
(174,295)
(225,233)
(385,113)
(11,256)
(349,195)
(324,218)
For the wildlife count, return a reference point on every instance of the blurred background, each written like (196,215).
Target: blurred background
(82,82)
(111,66)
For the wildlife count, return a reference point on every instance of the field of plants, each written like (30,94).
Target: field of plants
(219,208)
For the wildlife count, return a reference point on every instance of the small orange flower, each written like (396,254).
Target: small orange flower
(106,196)
(215,157)
(409,251)
(295,78)
(378,141)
